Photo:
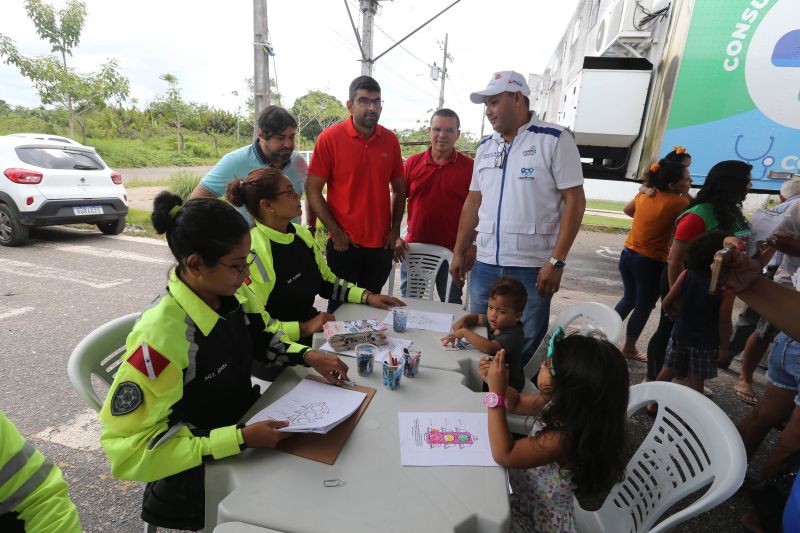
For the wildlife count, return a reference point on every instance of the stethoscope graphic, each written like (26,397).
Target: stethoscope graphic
(766,159)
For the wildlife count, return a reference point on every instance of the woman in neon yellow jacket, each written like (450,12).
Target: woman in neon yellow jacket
(33,494)
(184,382)
(290,271)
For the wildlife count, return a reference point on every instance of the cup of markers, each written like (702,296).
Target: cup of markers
(365,358)
(400,319)
(412,355)
(393,371)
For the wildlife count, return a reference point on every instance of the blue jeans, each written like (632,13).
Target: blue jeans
(536,316)
(640,280)
(784,365)
(441,283)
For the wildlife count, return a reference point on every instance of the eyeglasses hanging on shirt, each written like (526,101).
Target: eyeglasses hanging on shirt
(502,153)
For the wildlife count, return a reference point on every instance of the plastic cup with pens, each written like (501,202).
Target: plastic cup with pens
(365,358)
(413,355)
(400,319)
(393,371)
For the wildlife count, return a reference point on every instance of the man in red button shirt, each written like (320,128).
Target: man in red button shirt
(358,159)
(437,183)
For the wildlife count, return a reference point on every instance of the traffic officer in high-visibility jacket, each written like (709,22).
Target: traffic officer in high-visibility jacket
(33,494)
(184,382)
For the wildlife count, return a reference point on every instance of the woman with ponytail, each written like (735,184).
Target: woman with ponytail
(184,381)
(290,270)
(644,256)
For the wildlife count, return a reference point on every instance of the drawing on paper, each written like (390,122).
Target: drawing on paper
(308,413)
(448,438)
(441,436)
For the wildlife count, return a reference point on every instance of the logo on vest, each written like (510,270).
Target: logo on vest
(530,151)
(526,173)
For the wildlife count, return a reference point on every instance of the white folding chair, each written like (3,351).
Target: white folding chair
(692,444)
(99,354)
(599,316)
(423,262)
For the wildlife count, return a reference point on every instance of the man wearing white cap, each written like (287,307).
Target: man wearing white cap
(525,202)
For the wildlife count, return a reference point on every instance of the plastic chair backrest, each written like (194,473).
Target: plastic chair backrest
(99,354)
(600,316)
(692,444)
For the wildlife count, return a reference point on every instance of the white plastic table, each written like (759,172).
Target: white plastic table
(465,362)
(276,490)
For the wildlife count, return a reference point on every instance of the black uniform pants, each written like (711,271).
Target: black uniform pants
(366,267)
(177,501)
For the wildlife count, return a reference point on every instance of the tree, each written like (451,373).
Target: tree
(216,122)
(171,106)
(54,80)
(316,111)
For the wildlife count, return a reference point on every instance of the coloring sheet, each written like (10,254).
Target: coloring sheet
(312,407)
(437,322)
(393,345)
(445,439)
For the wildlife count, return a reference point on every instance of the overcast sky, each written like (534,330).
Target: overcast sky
(208,46)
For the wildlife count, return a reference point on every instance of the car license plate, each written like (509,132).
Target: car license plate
(88,210)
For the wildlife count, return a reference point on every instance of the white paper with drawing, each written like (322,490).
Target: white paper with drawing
(429,321)
(312,407)
(393,345)
(445,439)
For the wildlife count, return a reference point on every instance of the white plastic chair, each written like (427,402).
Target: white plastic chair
(600,317)
(99,354)
(692,444)
(422,263)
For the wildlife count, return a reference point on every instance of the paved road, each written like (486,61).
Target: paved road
(68,282)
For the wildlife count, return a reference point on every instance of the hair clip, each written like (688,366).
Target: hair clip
(654,167)
(558,336)
(679,149)
(174,211)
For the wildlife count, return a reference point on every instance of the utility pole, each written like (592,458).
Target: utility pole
(444,73)
(261,52)
(369,9)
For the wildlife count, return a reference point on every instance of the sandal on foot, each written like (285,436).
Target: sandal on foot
(747,396)
(638,356)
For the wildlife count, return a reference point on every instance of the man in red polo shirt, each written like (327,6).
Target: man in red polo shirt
(358,159)
(437,183)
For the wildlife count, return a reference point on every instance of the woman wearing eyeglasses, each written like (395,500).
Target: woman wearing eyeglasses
(290,270)
(184,382)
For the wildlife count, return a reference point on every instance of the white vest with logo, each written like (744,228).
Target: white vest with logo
(520,212)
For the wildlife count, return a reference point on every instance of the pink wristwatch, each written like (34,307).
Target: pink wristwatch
(492,400)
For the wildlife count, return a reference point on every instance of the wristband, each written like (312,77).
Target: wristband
(364,296)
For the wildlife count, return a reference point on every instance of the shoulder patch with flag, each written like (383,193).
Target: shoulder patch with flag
(148,361)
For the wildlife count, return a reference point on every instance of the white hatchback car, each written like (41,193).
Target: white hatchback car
(47,182)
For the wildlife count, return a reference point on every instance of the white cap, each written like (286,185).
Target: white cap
(790,187)
(501,82)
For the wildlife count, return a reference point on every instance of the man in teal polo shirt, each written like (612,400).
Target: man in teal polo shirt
(274,147)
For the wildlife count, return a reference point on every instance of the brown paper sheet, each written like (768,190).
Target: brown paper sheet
(326,448)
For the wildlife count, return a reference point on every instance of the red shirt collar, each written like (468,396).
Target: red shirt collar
(353,132)
(429,158)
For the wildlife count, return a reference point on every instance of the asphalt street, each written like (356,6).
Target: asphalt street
(66,282)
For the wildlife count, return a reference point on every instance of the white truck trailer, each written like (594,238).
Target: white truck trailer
(633,78)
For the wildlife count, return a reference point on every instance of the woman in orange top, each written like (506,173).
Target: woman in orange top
(644,256)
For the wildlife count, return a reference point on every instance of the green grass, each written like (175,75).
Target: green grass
(141,183)
(605,205)
(139,224)
(607,221)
